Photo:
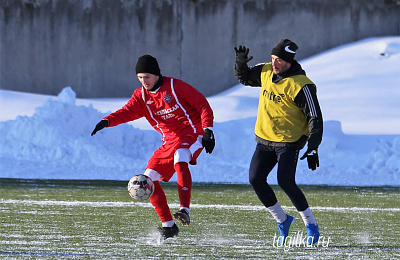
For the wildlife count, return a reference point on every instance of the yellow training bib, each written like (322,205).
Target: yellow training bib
(279,119)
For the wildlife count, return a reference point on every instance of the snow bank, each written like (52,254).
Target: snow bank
(55,143)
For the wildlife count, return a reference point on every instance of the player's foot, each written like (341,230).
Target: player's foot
(312,234)
(167,232)
(183,216)
(284,229)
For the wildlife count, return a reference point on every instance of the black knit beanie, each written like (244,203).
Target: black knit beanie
(285,49)
(147,64)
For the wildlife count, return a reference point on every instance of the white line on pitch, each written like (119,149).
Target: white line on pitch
(146,204)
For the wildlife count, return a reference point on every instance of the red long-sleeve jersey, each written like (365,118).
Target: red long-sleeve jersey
(175,109)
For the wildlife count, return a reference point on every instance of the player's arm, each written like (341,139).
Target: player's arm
(197,100)
(307,100)
(207,119)
(129,112)
(249,76)
(245,75)
(132,110)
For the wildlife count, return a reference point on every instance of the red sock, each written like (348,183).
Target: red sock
(184,181)
(160,204)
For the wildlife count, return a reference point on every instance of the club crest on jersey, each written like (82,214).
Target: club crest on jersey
(167,97)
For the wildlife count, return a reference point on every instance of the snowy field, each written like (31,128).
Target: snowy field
(48,137)
(71,219)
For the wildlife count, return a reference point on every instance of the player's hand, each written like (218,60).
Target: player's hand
(312,158)
(100,125)
(241,55)
(208,140)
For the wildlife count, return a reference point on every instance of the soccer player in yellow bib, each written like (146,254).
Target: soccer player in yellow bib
(288,117)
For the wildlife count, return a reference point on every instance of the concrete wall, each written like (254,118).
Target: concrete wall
(93,45)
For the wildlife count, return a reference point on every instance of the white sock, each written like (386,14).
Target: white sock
(187,209)
(308,217)
(168,223)
(278,213)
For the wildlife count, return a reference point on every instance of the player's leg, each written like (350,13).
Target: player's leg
(311,226)
(182,158)
(287,165)
(286,176)
(263,161)
(160,204)
(186,153)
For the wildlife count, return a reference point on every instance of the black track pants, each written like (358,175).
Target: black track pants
(263,161)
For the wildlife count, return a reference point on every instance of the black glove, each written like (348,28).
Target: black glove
(100,125)
(208,140)
(241,55)
(312,158)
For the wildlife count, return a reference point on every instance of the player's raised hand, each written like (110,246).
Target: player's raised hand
(242,55)
(100,125)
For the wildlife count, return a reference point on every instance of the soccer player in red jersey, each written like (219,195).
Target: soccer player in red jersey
(184,118)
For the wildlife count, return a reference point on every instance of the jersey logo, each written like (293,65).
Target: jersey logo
(167,97)
(150,102)
(273,97)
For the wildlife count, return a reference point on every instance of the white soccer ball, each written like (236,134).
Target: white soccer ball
(140,187)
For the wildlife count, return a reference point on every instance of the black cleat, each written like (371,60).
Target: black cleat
(182,216)
(167,232)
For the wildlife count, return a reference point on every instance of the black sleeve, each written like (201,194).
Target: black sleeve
(248,76)
(308,102)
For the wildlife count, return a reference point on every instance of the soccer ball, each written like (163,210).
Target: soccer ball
(140,187)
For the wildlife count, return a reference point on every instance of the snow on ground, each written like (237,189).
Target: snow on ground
(48,137)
